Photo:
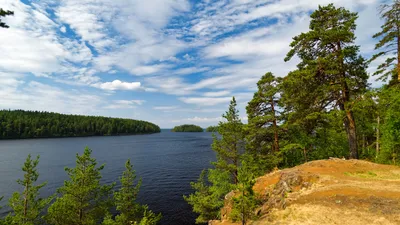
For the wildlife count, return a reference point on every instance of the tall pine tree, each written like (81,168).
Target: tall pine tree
(230,145)
(263,131)
(263,115)
(389,42)
(27,207)
(330,58)
(83,200)
(214,184)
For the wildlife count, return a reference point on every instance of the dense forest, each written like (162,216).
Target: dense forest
(323,108)
(187,128)
(82,200)
(33,124)
(212,129)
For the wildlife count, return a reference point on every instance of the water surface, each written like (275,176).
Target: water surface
(166,161)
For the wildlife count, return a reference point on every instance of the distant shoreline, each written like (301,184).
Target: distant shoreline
(54,137)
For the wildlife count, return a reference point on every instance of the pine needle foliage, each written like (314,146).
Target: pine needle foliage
(82,200)
(27,206)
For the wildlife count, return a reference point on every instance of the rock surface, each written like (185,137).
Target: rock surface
(333,191)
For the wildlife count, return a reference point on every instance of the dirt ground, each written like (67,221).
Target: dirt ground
(331,191)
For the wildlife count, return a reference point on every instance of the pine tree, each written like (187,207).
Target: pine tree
(262,114)
(389,42)
(245,203)
(83,200)
(130,211)
(27,206)
(389,102)
(4,13)
(262,131)
(214,184)
(2,222)
(209,194)
(331,73)
(231,144)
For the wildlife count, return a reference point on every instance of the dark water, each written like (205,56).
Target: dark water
(167,163)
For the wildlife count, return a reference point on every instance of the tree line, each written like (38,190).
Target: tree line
(81,201)
(324,108)
(187,128)
(212,129)
(34,124)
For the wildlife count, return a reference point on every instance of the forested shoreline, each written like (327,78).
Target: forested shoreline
(20,124)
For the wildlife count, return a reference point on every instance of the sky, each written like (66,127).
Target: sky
(169,62)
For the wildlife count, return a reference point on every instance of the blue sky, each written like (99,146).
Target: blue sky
(165,61)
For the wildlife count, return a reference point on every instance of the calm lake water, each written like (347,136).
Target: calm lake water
(167,163)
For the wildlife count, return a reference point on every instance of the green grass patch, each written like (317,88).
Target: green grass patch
(362,174)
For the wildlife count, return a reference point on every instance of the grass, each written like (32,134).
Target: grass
(362,174)
(387,175)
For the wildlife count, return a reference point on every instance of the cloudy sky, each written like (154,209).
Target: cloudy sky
(165,61)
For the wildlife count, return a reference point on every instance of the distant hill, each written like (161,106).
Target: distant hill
(212,129)
(16,124)
(187,128)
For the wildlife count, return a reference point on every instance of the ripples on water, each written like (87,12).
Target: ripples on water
(167,163)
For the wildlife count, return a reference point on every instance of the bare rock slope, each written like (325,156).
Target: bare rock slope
(331,191)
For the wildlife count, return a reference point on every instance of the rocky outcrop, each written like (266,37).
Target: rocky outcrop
(334,191)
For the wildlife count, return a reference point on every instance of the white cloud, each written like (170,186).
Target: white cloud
(190,70)
(118,85)
(216,94)
(203,101)
(15,94)
(165,108)
(199,120)
(124,104)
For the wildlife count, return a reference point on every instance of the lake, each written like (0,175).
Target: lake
(166,161)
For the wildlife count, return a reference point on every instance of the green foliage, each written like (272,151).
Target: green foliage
(246,202)
(33,124)
(130,212)
(4,13)
(366,111)
(212,129)
(83,200)
(210,190)
(27,206)
(229,145)
(331,74)
(263,131)
(125,198)
(388,42)
(187,128)
(390,151)
(214,184)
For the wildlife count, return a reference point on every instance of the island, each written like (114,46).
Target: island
(187,128)
(212,129)
(20,124)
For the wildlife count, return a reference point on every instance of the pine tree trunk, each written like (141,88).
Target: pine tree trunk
(276,137)
(26,202)
(235,172)
(351,134)
(377,136)
(349,121)
(398,52)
